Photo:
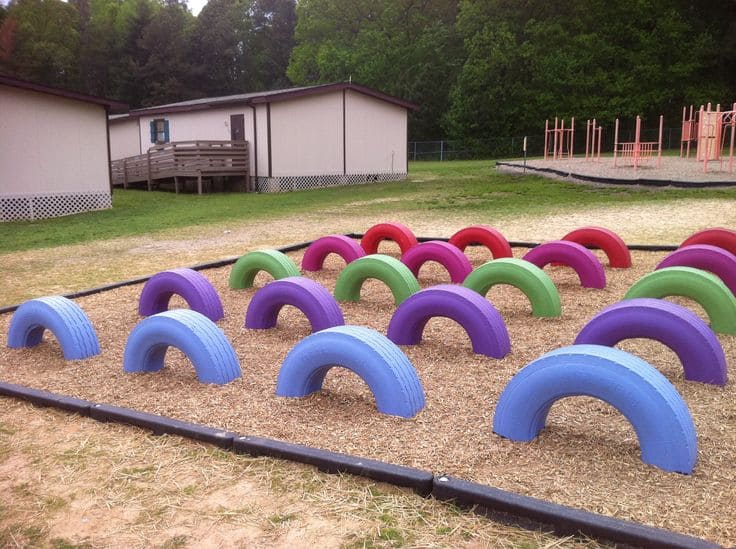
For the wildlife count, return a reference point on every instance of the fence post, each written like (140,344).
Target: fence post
(442,150)
(415,151)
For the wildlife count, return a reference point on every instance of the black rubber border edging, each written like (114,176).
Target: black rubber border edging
(497,504)
(510,507)
(611,181)
(334,462)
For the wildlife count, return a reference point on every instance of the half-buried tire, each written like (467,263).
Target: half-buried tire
(275,263)
(62,317)
(310,297)
(192,333)
(387,269)
(388,373)
(401,234)
(192,285)
(347,248)
(480,319)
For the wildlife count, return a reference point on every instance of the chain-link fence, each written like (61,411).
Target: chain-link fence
(513,147)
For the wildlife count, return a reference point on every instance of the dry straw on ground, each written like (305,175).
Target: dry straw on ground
(587,457)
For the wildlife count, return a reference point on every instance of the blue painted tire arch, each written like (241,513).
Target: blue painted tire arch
(192,333)
(386,370)
(62,317)
(649,402)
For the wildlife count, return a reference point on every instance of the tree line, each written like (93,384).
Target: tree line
(476,68)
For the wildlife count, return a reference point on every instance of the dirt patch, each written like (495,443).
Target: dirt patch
(587,457)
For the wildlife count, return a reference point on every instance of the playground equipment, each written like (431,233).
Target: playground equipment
(646,398)
(345,247)
(310,297)
(444,253)
(373,357)
(613,245)
(480,319)
(637,152)
(62,317)
(705,288)
(680,329)
(275,263)
(401,234)
(586,264)
(527,277)
(559,142)
(485,235)
(709,258)
(718,236)
(710,130)
(194,334)
(385,268)
(192,285)
(593,134)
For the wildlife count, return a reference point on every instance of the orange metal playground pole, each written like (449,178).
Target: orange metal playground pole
(546,137)
(554,153)
(733,131)
(637,144)
(571,147)
(587,138)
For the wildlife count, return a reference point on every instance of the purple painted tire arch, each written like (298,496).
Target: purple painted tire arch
(192,285)
(713,259)
(695,344)
(447,255)
(310,297)
(480,319)
(586,264)
(344,246)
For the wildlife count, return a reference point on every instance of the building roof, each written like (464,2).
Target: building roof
(255,98)
(26,85)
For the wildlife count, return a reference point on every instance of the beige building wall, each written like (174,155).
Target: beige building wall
(204,125)
(307,136)
(262,145)
(125,138)
(376,135)
(51,144)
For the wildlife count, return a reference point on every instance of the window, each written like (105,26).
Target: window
(159,131)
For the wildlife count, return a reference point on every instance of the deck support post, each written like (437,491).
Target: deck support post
(148,161)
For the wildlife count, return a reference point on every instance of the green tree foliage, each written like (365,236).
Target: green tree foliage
(39,40)
(406,48)
(527,61)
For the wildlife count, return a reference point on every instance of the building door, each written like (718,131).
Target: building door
(237,127)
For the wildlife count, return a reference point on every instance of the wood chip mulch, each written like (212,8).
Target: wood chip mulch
(587,457)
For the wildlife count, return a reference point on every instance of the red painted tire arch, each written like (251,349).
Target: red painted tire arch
(485,235)
(717,236)
(612,244)
(401,234)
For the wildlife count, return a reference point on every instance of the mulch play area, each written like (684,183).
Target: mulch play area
(587,457)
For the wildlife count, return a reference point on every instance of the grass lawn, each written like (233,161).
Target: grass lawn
(438,187)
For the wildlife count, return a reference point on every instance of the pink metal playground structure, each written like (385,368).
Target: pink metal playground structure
(559,141)
(709,130)
(637,152)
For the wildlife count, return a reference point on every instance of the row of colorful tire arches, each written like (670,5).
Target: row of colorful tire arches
(703,269)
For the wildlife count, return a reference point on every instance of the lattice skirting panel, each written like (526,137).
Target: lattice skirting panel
(306,182)
(16,207)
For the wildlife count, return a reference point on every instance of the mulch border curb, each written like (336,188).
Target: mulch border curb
(613,181)
(499,505)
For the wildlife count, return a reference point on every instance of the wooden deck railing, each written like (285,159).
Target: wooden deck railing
(183,159)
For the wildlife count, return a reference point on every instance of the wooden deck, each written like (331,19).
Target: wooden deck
(181,159)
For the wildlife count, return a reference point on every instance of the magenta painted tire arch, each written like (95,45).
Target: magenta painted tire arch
(345,247)
(695,344)
(310,297)
(713,259)
(447,255)
(612,244)
(586,264)
(401,234)
(480,319)
(485,235)
(717,236)
(192,285)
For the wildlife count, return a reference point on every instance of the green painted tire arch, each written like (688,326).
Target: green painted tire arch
(397,276)
(701,286)
(275,263)
(527,277)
